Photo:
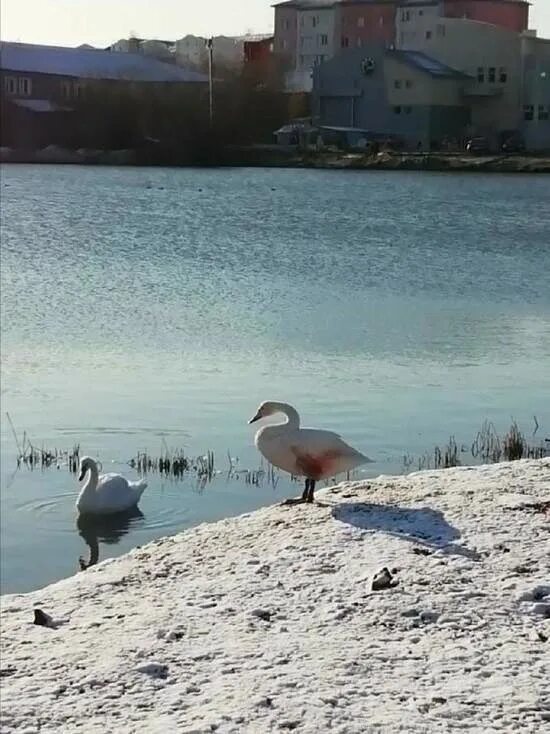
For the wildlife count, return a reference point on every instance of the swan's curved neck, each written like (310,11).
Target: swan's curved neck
(293,419)
(90,480)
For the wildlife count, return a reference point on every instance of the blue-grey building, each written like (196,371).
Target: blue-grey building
(403,94)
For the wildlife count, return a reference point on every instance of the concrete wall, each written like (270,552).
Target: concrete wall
(488,53)
(510,14)
(406,85)
(192,51)
(536,93)
(507,14)
(315,37)
(410,20)
(286,34)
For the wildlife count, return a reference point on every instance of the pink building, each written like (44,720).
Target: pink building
(363,21)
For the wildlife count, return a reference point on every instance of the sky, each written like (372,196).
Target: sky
(100,22)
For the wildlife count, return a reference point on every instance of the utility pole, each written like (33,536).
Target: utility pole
(210,47)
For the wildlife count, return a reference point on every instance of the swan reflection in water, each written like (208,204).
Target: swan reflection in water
(110,529)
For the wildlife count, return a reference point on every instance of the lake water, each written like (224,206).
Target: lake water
(152,307)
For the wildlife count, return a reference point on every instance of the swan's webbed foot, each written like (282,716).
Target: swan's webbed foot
(294,501)
(307,495)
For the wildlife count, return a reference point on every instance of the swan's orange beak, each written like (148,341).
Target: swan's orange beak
(256,418)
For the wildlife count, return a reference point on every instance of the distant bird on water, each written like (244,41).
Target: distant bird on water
(105,494)
(306,452)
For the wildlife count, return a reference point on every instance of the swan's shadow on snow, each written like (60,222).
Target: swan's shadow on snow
(420,525)
(108,529)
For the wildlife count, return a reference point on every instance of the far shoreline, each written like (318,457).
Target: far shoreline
(273,157)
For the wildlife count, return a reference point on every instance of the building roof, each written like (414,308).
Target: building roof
(427,64)
(306,4)
(423,3)
(84,63)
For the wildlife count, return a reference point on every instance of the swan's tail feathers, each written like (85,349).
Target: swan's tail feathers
(139,487)
(366,460)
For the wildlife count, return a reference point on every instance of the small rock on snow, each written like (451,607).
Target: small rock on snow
(42,619)
(383,580)
(264,614)
(155,670)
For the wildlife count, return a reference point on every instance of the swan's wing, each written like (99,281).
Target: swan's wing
(108,483)
(322,454)
(313,440)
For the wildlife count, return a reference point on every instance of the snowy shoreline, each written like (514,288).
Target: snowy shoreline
(268,622)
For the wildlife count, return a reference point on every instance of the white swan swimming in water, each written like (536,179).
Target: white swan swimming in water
(106,493)
(305,452)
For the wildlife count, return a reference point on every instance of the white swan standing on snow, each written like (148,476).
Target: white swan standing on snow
(306,452)
(106,493)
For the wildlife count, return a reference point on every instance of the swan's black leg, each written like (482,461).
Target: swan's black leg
(311,490)
(304,497)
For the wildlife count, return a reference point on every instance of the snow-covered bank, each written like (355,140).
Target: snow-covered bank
(267,622)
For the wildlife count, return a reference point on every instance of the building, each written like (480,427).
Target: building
(510,72)
(258,50)
(359,22)
(228,51)
(41,85)
(309,32)
(380,92)
(490,55)
(304,37)
(512,15)
(535,125)
(162,50)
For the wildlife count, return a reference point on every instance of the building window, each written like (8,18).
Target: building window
(441,30)
(544,112)
(359,42)
(66,89)
(397,110)
(480,74)
(420,12)
(360,22)
(529,112)
(302,59)
(397,83)
(492,75)
(10,85)
(428,35)
(287,25)
(25,86)
(314,21)
(345,42)
(502,75)
(323,39)
(405,15)
(407,110)
(408,83)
